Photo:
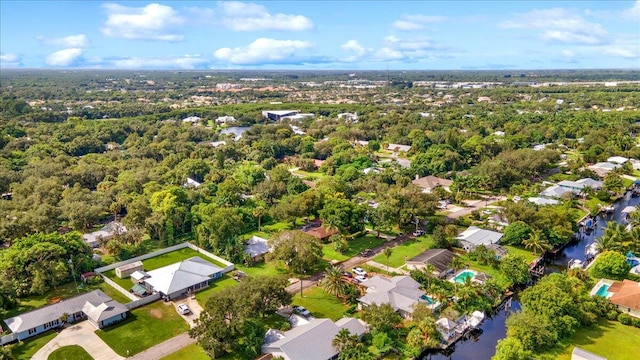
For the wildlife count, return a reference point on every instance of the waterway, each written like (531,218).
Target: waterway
(481,345)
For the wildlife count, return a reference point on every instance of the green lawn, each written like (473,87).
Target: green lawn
(610,339)
(321,304)
(144,327)
(215,286)
(24,350)
(160,261)
(487,269)
(191,352)
(356,246)
(522,252)
(74,352)
(406,251)
(63,292)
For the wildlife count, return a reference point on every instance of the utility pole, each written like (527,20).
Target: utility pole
(73,273)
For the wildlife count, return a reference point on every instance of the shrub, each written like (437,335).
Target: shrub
(611,315)
(625,319)
(636,322)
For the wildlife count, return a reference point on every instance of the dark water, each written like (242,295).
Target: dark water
(576,250)
(480,345)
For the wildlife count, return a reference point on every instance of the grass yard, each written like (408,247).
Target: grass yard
(487,269)
(610,339)
(159,261)
(406,251)
(215,286)
(74,352)
(356,246)
(64,291)
(517,250)
(191,352)
(24,350)
(145,327)
(321,304)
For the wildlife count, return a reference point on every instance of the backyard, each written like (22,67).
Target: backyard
(144,327)
(608,338)
(368,241)
(321,304)
(24,350)
(405,251)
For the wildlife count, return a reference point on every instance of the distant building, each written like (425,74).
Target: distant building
(428,183)
(225,119)
(108,232)
(190,183)
(618,160)
(398,148)
(277,115)
(543,201)
(603,168)
(192,119)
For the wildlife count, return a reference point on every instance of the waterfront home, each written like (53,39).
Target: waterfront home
(474,236)
(625,295)
(440,259)
(401,292)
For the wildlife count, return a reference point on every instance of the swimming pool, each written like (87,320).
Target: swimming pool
(603,291)
(428,299)
(462,277)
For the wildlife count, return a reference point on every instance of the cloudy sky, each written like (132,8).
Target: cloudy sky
(320,34)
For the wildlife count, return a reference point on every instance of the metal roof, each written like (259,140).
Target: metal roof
(477,236)
(181,275)
(439,258)
(401,292)
(256,246)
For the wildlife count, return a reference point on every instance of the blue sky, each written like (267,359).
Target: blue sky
(420,35)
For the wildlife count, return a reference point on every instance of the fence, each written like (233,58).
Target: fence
(119,288)
(142,301)
(8,338)
(228,265)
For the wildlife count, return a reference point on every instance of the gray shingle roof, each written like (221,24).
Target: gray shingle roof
(477,236)
(313,341)
(401,292)
(103,311)
(181,275)
(30,320)
(256,246)
(439,258)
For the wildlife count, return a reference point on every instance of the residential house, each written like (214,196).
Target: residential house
(349,117)
(618,160)
(439,258)
(578,186)
(183,277)
(107,232)
(277,115)
(321,233)
(626,296)
(192,120)
(95,306)
(401,292)
(603,168)
(191,183)
(398,148)
(216,144)
(311,340)
(475,236)
(428,183)
(256,247)
(554,191)
(540,201)
(225,119)
(582,354)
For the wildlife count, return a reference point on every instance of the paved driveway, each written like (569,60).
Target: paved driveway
(82,334)
(193,305)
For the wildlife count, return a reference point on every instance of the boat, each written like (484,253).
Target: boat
(591,250)
(476,318)
(575,264)
(608,209)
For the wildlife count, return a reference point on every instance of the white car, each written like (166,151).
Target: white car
(360,278)
(359,271)
(184,309)
(301,310)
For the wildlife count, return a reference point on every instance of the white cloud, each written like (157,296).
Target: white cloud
(623,52)
(241,16)
(559,26)
(634,12)
(393,49)
(416,22)
(358,51)
(66,57)
(264,51)
(71,41)
(151,22)
(10,60)
(178,62)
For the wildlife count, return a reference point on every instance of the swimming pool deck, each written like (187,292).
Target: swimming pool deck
(598,285)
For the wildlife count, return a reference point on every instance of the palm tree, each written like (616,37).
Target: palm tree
(456,263)
(333,281)
(387,253)
(613,237)
(537,242)
(259,213)
(428,271)
(343,340)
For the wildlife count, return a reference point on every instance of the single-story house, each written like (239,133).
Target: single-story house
(398,148)
(95,306)
(215,144)
(401,292)
(579,185)
(540,201)
(310,341)
(124,271)
(554,191)
(321,233)
(603,168)
(108,232)
(225,119)
(428,183)
(277,115)
(192,119)
(183,277)
(475,236)
(256,247)
(439,258)
(626,296)
(618,160)
(582,354)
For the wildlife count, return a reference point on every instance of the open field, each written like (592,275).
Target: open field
(406,251)
(356,246)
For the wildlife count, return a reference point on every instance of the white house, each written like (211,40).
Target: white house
(95,306)
(225,119)
(401,292)
(182,277)
(618,160)
(277,115)
(540,201)
(398,148)
(474,236)
(108,232)
(310,341)
(190,183)
(579,185)
(192,119)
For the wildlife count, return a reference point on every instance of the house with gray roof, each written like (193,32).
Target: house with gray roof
(579,185)
(554,191)
(475,236)
(582,354)
(95,306)
(256,247)
(439,258)
(310,341)
(107,232)
(183,277)
(401,292)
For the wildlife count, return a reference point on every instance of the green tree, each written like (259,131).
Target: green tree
(537,242)
(381,318)
(534,331)
(333,282)
(511,348)
(515,268)
(611,265)
(259,212)
(300,251)
(515,233)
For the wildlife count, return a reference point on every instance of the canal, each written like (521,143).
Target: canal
(482,344)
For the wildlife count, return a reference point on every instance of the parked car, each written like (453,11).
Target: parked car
(184,309)
(347,274)
(359,271)
(418,232)
(360,278)
(301,310)
(366,253)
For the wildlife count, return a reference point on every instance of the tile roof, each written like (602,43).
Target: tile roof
(432,182)
(626,293)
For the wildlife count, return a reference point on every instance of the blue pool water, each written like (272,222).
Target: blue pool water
(603,291)
(428,299)
(463,276)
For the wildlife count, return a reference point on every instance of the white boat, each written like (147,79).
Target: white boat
(575,264)
(591,250)
(476,318)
